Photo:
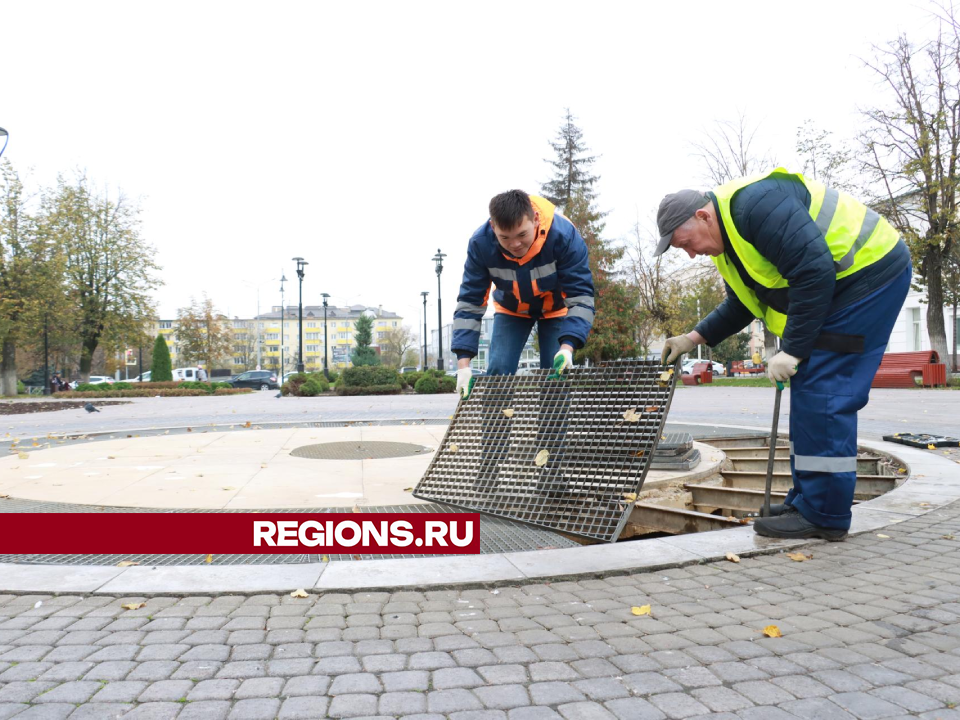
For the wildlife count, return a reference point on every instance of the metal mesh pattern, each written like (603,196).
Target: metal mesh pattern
(375,450)
(559,454)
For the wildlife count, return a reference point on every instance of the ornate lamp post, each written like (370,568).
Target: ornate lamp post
(326,371)
(283,312)
(438,260)
(301,264)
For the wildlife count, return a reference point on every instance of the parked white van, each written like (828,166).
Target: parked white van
(187,374)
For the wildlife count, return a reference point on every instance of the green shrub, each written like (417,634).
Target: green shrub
(334,376)
(312,388)
(21,388)
(427,385)
(122,386)
(160,369)
(410,379)
(368,390)
(369,376)
(87,387)
(448,384)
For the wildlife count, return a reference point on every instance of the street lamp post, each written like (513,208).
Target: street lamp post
(283,312)
(424,364)
(301,264)
(438,259)
(326,371)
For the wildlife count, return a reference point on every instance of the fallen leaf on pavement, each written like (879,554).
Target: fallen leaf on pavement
(301,593)
(732,557)
(227,487)
(263,465)
(631,415)
(639,453)
(4,497)
(632,497)
(324,559)
(246,424)
(541,458)
(134,606)
(942,537)
(772,631)
(799,557)
(408,489)
(508,412)
(642,610)
(23,456)
(651,408)
(209,559)
(881,535)
(931,447)
(127,563)
(356,509)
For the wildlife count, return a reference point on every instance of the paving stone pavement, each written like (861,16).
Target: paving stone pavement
(870,629)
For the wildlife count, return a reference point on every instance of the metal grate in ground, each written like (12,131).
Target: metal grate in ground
(496,536)
(373,450)
(559,454)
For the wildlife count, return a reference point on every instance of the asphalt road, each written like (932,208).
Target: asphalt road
(889,411)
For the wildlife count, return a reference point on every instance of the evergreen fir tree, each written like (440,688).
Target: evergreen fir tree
(160,369)
(571,167)
(363,354)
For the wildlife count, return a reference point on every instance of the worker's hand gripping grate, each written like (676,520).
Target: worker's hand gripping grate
(562,454)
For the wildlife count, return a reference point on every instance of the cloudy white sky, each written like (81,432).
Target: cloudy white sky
(363,136)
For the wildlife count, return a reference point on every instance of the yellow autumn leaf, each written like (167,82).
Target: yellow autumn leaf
(665,376)
(630,497)
(452,448)
(324,559)
(799,557)
(931,447)
(651,408)
(134,606)
(772,631)
(541,459)
(942,537)
(642,610)
(881,535)
(246,424)
(631,415)
(209,559)
(263,465)
(508,412)
(639,453)
(4,497)
(356,509)
(127,563)
(23,456)
(226,487)
(733,557)
(410,489)
(301,593)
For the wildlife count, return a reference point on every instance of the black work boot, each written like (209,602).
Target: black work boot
(794,526)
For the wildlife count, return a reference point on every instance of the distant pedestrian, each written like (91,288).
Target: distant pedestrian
(201,374)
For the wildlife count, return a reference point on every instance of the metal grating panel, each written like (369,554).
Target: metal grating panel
(596,429)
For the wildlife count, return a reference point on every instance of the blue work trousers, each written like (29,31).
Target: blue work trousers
(826,393)
(510,334)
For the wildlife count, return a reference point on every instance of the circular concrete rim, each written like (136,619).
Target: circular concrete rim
(930,485)
(371,450)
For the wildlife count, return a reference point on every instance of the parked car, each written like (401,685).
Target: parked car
(256,379)
(188,374)
(408,369)
(94,380)
(687,366)
(141,378)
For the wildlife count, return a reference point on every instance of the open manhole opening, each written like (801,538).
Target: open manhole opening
(360,450)
(734,495)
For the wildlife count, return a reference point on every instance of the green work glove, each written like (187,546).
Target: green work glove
(465,381)
(561,361)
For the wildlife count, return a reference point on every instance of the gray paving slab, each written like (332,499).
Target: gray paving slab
(213,579)
(67,578)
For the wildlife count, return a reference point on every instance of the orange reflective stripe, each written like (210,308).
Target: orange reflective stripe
(501,309)
(556,313)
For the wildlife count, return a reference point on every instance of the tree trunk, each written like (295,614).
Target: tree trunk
(8,368)
(936,329)
(89,347)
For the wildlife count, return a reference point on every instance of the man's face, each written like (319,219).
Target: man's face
(698,236)
(517,241)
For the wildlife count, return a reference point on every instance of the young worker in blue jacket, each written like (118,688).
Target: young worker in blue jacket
(537,262)
(828,275)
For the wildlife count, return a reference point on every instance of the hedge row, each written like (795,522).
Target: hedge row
(162,392)
(120,386)
(305,385)
(369,390)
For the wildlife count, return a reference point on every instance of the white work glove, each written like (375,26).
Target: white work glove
(675,347)
(782,367)
(561,361)
(465,382)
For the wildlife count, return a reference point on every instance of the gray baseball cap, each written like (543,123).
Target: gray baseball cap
(675,209)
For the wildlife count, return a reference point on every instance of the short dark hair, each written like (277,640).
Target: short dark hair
(508,209)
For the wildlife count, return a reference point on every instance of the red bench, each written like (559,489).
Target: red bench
(702,372)
(904,369)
